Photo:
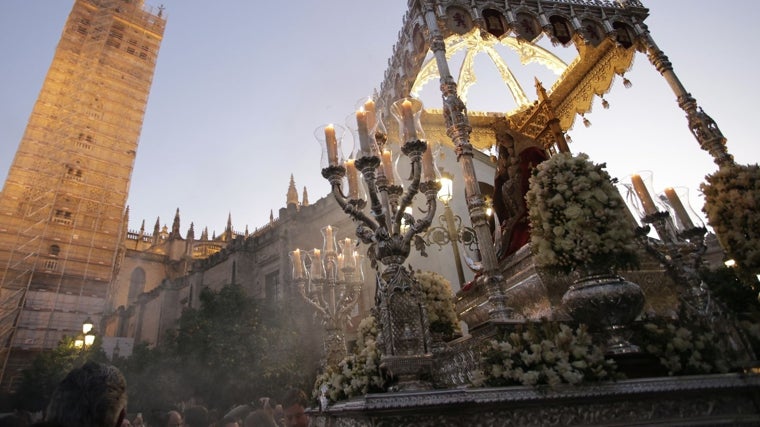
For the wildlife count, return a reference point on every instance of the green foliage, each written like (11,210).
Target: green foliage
(738,296)
(48,369)
(154,383)
(231,350)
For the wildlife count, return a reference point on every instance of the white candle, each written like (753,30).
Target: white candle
(329,240)
(355,258)
(346,246)
(369,107)
(410,133)
(681,214)
(361,125)
(428,167)
(643,194)
(353,179)
(332,145)
(388,167)
(316,265)
(297,264)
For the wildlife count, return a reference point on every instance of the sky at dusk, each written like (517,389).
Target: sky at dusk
(240,87)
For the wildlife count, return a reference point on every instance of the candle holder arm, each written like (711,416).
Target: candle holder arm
(368,166)
(413,150)
(312,301)
(353,210)
(431,189)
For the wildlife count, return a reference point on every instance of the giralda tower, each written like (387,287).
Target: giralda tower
(63,204)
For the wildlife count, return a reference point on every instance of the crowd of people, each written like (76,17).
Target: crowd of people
(95,395)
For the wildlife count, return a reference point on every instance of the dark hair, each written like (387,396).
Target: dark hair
(259,418)
(196,416)
(94,395)
(295,396)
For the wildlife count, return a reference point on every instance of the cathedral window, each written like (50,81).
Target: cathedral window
(62,216)
(73,174)
(271,286)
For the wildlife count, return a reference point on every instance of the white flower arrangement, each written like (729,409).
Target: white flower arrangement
(732,195)
(551,354)
(439,302)
(358,373)
(578,219)
(686,350)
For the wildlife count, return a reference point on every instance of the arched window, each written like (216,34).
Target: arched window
(136,284)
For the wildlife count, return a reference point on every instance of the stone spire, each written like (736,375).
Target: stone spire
(204,233)
(175,226)
(157,230)
(292,198)
(305,198)
(228,230)
(191,232)
(271,216)
(141,234)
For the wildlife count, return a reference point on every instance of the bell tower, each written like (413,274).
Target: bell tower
(63,203)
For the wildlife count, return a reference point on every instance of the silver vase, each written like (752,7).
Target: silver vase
(607,303)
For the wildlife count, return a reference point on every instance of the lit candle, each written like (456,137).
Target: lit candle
(297,264)
(643,194)
(329,240)
(369,107)
(355,259)
(316,265)
(361,125)
(388,167)
(332,145)
(341,266)
(346,246)
(681,214)
(408,116)
(428,168)
(353,179)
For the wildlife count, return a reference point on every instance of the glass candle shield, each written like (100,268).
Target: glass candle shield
(330,137)
(641,183)
(676,200)
(408,112)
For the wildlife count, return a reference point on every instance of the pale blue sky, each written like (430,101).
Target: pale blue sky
(240,86)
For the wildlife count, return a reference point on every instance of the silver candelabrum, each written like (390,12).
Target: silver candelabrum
(681,232)
(331,281)
(389,228)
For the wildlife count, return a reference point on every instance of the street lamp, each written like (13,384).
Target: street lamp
(87,338)
(87,326)
(451,229)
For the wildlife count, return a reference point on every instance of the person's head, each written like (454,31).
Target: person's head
(196,416)
(174,419)
(259,418)
(94,395)
(229,422)
(294,404)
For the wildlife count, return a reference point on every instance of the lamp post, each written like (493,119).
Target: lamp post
(451,230)
(331,282)
(404,339)
(87,338)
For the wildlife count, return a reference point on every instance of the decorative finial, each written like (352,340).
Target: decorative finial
(292,197)
(305,198)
